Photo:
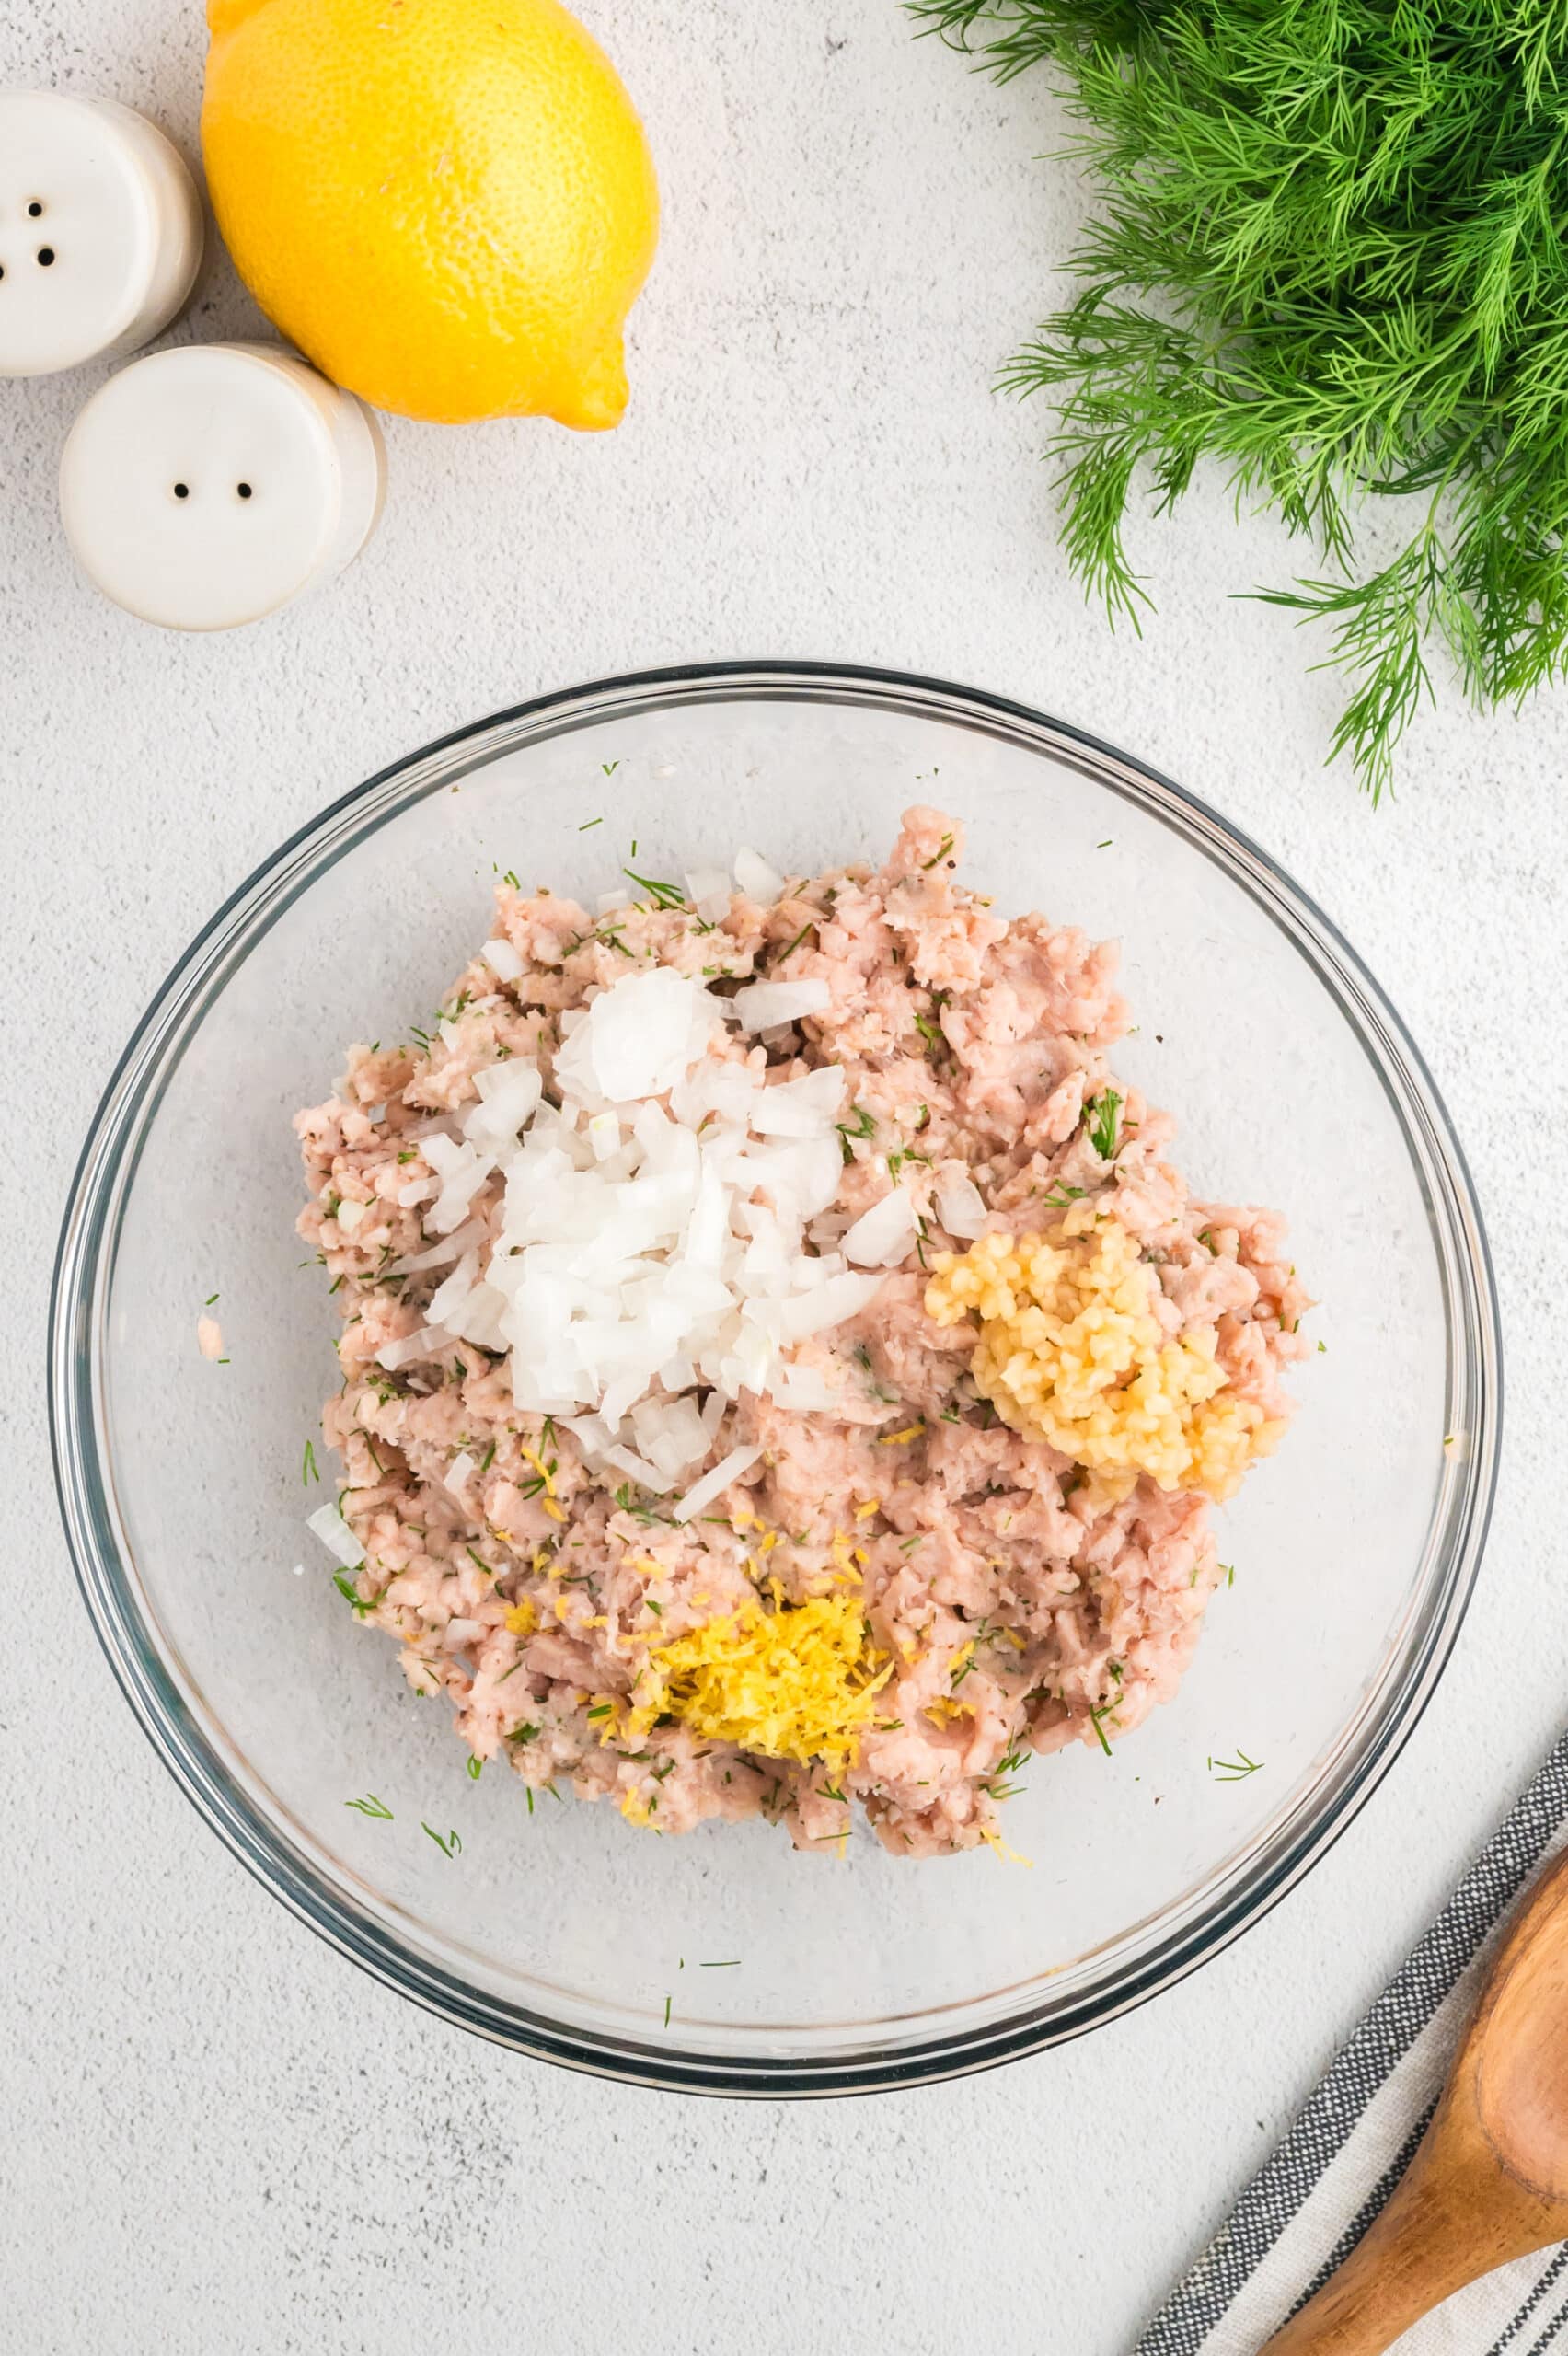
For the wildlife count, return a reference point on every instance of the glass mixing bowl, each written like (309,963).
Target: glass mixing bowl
(725,1961)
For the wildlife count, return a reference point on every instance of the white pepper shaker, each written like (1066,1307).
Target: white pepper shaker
(100,231)
(208,485)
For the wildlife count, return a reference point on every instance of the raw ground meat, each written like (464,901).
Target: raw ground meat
(1019,1612)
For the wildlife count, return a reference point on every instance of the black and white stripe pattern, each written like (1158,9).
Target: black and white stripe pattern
(1310,2206)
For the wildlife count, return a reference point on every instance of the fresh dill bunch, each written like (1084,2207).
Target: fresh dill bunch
(1330,256)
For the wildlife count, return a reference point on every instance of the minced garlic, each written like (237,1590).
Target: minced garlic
(792,1683)
(1071,1353)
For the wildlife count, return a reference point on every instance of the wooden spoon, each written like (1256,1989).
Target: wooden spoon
(1490,2180)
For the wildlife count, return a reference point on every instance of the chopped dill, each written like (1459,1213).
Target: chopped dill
(344,1583)
(664,896)
(1101,1115)
(451,1846)
(1233,1770)
(808,927)
(862,1126)
(646,1514)
(309,1473)
(371,1806)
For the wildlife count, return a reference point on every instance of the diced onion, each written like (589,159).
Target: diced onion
(509,1096)
(807,1107)
(881,1236)
(502,960)
(713,1484)
(440,1256)
(646,1245)
(756,879)
(327,1524)
(763,1006)
(960,1208)
(646,1476)
(805,1392)
(427,1343)
(708,889)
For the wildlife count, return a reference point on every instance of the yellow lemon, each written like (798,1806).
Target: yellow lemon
(448,205)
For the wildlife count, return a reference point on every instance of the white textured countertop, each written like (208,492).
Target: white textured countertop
(216,2136)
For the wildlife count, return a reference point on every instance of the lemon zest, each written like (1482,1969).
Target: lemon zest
(531,1456)
(790,1684)
(993,1839)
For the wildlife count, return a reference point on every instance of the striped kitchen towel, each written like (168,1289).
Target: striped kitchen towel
(1313,2200)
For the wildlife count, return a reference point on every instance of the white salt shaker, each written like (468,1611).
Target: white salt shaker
(209,485)
(100,231)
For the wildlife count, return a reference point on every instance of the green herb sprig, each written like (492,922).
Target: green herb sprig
(1101,1115)
(1331,258)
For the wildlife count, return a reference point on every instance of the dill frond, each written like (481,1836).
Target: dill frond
(1331,260)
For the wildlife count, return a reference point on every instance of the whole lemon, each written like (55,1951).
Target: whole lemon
(448,205)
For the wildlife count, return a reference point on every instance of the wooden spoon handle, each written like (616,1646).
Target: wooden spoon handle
(1490,2181)
(1424,2246)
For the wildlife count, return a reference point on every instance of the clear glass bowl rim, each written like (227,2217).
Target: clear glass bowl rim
(83,1278)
